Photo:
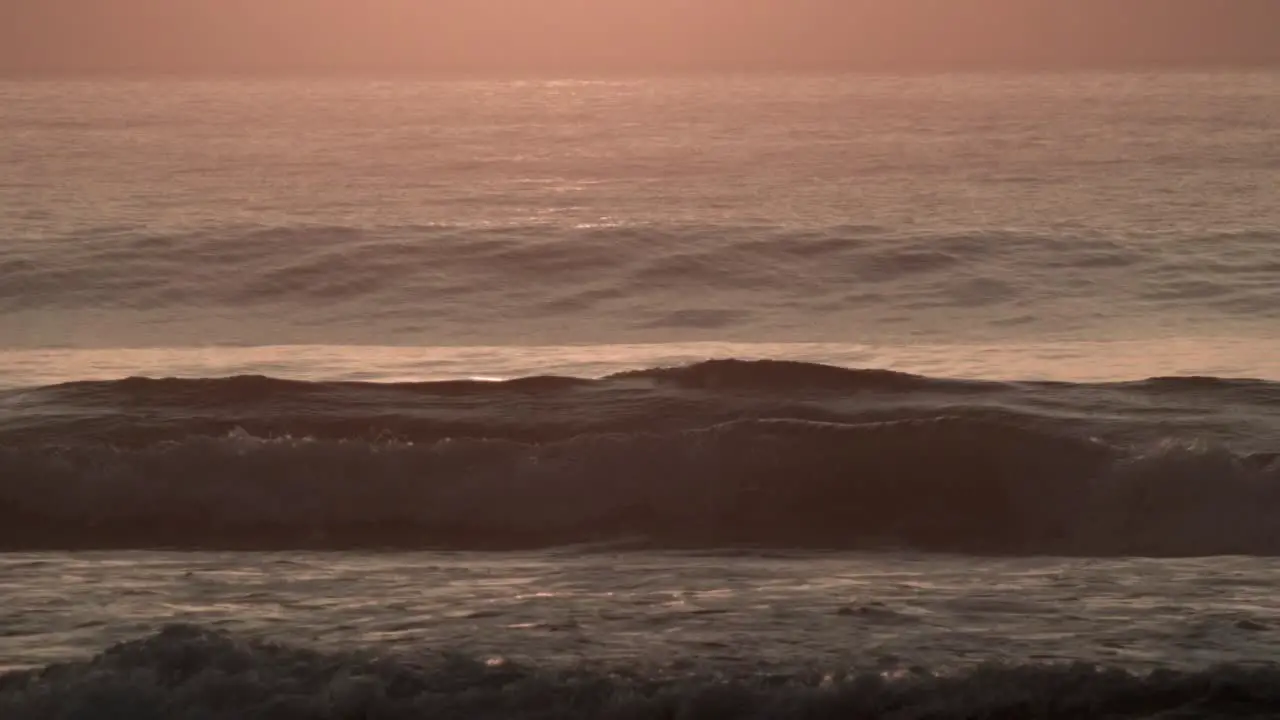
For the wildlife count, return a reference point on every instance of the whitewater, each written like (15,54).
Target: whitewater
(877,396)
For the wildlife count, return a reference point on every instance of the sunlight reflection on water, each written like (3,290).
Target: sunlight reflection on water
(1064,361)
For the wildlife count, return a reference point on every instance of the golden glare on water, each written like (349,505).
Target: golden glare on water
(1062,361)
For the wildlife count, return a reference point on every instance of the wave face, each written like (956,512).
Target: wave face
(187,671)
(717,454)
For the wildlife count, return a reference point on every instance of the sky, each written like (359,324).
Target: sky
(630,36)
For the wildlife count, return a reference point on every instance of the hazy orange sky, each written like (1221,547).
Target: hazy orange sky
(604,36)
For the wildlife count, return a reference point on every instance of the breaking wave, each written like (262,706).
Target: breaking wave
(717,454)
(186,671)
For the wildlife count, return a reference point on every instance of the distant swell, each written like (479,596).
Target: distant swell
(643,281)
(394,265)
(186,671)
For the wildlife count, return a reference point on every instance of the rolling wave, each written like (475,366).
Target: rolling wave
(254,264)
(717,454)
(189,671)
(650,280)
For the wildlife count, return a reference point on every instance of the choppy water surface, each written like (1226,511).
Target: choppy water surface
(645,633)
(729,613)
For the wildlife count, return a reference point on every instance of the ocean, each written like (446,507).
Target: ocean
(919,396)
